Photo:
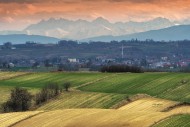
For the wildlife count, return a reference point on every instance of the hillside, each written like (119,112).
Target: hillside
(161,85)
(34,81)
(23,38)
(167,34)
(77,99)
(130,116)
(38,80)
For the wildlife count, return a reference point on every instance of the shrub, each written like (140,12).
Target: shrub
(66,86)
(48,92)
(20,100)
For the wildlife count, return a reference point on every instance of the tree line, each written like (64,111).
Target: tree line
(121,68)
(22,100)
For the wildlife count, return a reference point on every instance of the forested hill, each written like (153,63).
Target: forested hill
(132,49)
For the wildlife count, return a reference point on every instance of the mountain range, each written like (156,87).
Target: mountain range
(82,29)
(100,29)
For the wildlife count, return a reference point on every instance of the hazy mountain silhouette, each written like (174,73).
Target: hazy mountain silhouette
(22,38)
(180,32)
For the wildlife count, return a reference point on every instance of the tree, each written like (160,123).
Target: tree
(20,100)
(7,45)
(47,63)
(35,65)
(66,86)
(49,91)
(121,69)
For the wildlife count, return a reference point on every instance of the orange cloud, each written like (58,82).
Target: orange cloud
(114,10)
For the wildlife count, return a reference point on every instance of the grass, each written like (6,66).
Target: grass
(38,80)
(161,85)
(76,99)
(175,121)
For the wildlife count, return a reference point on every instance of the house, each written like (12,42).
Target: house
(73,60)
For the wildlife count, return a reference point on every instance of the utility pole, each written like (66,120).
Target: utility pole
(122,53)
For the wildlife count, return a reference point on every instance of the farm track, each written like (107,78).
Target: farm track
(95,81)
(11,75)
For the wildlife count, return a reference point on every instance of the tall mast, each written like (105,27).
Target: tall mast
(122,53)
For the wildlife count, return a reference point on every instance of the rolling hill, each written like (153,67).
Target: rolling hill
(173,33)
(162,85)
(102,100)
(23,38)
(130,116)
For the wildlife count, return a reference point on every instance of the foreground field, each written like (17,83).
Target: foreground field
(127,116)
(10,119)
(95,99)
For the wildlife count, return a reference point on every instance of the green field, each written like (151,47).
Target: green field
(161,85)
(77,99)
(34,81)
(38,80)
(175,121)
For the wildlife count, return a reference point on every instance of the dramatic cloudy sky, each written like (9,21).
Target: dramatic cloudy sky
(17,14)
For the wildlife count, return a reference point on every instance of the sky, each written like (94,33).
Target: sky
(17,14)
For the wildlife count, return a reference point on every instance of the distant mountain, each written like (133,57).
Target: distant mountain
(180,32)
(22,38)
(80,29)
(11,32)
